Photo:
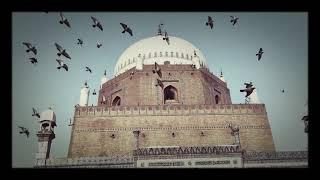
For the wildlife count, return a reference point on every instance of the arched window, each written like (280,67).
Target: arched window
(182,55)
(155,54)
(160,54)
(217,99)
(116,101)
(187,56)
(166,54)
(177,54)
(171,54)
(170,94)
(150,55)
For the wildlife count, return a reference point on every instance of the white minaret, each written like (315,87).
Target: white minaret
(84,95)
(253,98)
(104,79)
(45,136)
(221,77)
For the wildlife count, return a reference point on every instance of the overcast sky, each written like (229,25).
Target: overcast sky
(283,36)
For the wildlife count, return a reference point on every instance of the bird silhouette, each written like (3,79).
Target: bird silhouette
(259,54)
(62,51)
(33,60)
(88,69)
(166,37)
(157,69)
(159,83)
(248,84)
(234,20)
(96,23)
(24,131)
(35,113)
(61,65)
(126,29)
(248,90)
(99,44)
(64,20)
(30,47)
(80,42)
(210,22)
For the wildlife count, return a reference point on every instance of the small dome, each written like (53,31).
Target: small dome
(48,115)
(155,49)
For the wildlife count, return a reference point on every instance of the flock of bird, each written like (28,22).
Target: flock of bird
(61,51)
(97,24)
(249,86)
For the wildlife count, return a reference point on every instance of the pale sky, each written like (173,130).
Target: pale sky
(283,36)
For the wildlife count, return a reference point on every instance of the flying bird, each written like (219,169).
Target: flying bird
(259,54)
(70,124)
(30,48)
(33,60)
(96,23)
(88,69)
(234,20)
(62,51)
(157,69)
(248,84)
(62,65)
(94,92)
(166,37)
(24,131)
(99,44)
(35,113)
(64,20)
(126,28)
(210,22)
(282,90)
(159,83)
(80,42)
(248,90)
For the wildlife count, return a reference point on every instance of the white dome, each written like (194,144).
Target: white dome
(48,115)
(155,49)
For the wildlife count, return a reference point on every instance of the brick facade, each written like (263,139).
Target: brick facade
(108,131)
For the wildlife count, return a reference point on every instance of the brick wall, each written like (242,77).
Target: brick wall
(195,86)
(94,126)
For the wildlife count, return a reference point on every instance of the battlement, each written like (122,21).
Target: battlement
(187,150)
(85,162)
(163,110)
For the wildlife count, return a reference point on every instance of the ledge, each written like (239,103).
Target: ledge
(172,109)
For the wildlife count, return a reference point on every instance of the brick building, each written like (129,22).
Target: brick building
(164,108)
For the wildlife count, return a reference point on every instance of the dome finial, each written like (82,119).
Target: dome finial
(105,72)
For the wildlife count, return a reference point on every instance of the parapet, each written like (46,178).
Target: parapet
(163,110)
(84,162)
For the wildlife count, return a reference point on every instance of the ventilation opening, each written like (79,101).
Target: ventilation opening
(170,94)
(116,101)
